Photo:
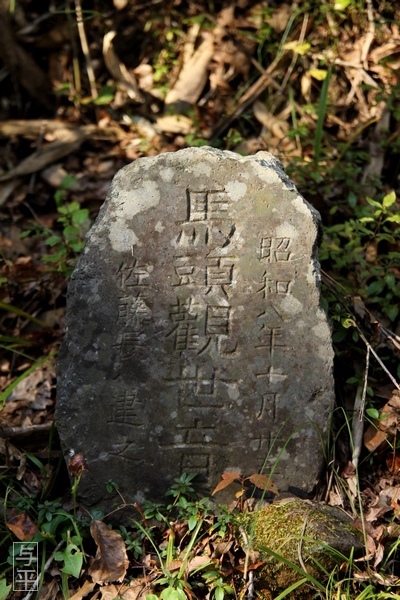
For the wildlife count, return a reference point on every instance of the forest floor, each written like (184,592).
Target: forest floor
(86,89)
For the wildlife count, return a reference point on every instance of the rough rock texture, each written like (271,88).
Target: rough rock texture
(195,339)
(316,538)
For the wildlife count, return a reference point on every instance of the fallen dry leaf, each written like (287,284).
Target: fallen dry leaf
(379,508)
(336,498)
(393,530)
(352,484)
(22,527)
(175,124)
(379,553)
(263,483)
(174,565)
(111,561)
(280,17)
(83,591)
(118,70)
(12,453)
(387,425)
(222,548)
(50,590)
(385,50)
(393,463)
(373,438)
(227,478)
(388,500)
(110,592)
(193,77)
(373,576)
(393,493)
(77,464)
(198,562)
(277,125)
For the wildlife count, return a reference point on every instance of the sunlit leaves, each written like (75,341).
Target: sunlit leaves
(341,5)
(319,74)
(171,593)
(4,589)
(389,199)
(297,47)
(260,481)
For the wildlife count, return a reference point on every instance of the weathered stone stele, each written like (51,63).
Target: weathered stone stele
(195,339)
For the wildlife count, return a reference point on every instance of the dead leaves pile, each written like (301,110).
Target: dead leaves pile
(197,73)
(112,573)
(380,493)
(106,569)
(383,514)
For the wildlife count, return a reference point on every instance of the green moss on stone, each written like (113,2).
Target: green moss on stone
(314,537)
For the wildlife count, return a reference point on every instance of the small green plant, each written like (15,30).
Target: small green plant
(167,58)
(186,521)
(363,252)
(74,223)
(4,589)
(182,487)
(194,140)
(72,558)
(233,138)
(176,567)
(36,516)
(218,588)
(56,532)
(133,542)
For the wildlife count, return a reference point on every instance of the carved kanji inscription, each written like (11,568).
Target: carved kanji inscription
(195,339)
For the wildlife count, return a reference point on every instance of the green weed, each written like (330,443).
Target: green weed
(74,223)
(363,252)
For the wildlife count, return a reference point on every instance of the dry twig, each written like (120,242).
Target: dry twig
(300,544)
(85,48)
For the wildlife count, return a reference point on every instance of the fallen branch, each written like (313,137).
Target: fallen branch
(21,433)
(48,155)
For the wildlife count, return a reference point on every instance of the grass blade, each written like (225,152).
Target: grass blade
(21,313)
(4,395)
(292,587)
(294,567)
(321,118)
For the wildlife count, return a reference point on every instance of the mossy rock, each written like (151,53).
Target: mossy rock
(313,537)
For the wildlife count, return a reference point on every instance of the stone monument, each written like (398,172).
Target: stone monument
(195,339)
